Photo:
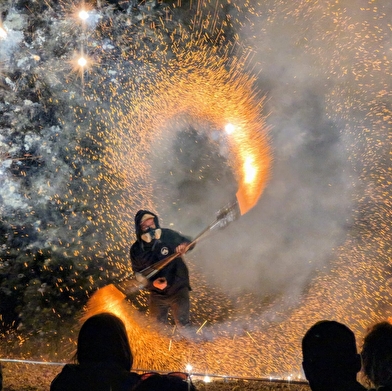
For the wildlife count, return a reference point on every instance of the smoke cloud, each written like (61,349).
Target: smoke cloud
(74,168)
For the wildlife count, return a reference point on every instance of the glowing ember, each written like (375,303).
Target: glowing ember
(188,368)
(142,91)
(3,33)
(229,128)
(255,161)
(136,113)
(83,15)
(82,62)
(142,336)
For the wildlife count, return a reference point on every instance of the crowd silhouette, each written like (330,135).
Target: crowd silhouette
(330,357)
(331,361)
(377,356)
(103,358)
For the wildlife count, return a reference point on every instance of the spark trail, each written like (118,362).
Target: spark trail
(209,70)
(346,291)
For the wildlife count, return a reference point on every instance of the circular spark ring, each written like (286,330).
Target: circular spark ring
(202,85)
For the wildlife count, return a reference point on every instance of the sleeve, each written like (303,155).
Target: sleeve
(175,272)
(186,239)
(140,259)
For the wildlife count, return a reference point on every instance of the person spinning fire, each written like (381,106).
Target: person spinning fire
(169,288)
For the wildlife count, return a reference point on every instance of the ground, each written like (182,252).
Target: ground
(37,377)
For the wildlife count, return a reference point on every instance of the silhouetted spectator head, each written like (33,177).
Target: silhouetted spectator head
(175,381)
(330,358)
(377,355)
(103,338)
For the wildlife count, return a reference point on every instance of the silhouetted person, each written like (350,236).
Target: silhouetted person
(1,377)
(330,358)
(175,381)
(377,356)
(103,357)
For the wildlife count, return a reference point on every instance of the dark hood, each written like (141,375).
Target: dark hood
(138,219)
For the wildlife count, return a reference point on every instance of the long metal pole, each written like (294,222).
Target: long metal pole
(150,271)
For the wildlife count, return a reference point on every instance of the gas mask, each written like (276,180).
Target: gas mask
(151,234)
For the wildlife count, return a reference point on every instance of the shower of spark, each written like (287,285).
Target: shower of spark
(170,94)
(159,74)
(142,336)
(171,89)
(144,95)
(186,78)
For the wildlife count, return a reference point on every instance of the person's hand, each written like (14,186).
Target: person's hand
(160,283)
(182,248)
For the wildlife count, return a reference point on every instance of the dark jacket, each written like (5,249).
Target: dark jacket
(145,254)
(94,376)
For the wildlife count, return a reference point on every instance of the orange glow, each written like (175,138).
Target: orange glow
(103,298)
(253,162)
(142,334)
(83,14)
(3,33)
(250,170)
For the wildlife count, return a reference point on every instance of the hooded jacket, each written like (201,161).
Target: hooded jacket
(144,254)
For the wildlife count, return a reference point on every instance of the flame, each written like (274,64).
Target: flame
(253,162)
(250,169)
(3,33)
